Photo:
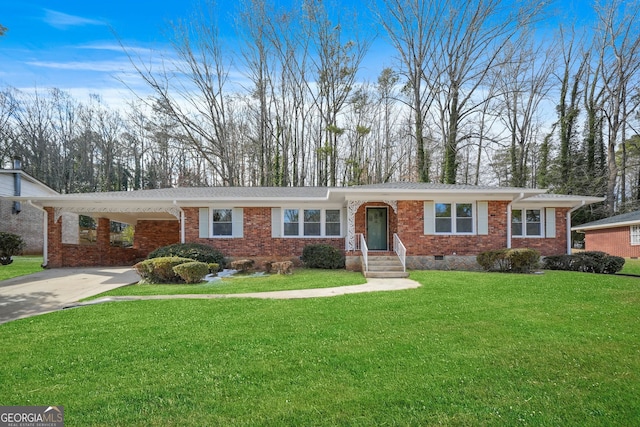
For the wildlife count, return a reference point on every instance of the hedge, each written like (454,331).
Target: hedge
(509,260)
(322,256)
(587,262)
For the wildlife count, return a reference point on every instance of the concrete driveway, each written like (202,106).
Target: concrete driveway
(51,290)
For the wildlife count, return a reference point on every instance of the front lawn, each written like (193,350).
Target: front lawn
(21,266)
(554,349)
(300,279)
(631,266)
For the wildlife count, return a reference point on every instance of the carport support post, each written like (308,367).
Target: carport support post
(103,238)
(54,239)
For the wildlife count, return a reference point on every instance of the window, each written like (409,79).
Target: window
(635,234)
(222,222)
(311,222)
(526,222)
(332,222)
(291,222)
(454,218)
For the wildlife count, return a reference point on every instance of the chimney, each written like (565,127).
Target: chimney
(17,183)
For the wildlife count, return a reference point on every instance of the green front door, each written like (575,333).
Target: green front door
(377,229)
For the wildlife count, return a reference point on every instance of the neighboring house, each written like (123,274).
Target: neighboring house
(441,226)
(21,217)
(618,235)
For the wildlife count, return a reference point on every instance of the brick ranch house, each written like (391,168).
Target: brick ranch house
(618,235)
(441,226)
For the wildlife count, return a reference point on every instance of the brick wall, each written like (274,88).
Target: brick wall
(151,235)
(547,246)
(411,232)
(148,236)
(28,224)
(256,242)
(614,241)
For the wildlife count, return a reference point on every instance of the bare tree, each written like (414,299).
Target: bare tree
(620,63)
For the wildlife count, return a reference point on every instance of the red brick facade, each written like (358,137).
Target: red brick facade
(258,244)
(614,241)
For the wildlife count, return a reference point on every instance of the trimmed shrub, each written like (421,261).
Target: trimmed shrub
(213,267)
(586,262)
(509,260)
(193,251)
(160,270)
(192,272)
(322,256)
(10,245)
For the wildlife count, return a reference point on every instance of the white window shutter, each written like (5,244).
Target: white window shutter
(429,218)
(204,222)
(483,218)
(550,217)
(276,222)
(237,222)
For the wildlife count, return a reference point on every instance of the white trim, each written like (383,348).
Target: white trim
(634,235)
(323,222)
(543,223)
(453,232)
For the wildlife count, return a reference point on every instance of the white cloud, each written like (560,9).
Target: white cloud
(63,21)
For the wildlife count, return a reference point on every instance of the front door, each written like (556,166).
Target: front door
(377,231)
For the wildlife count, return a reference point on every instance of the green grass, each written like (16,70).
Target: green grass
(557,349)
(21,266)
(631,266)
(300,279)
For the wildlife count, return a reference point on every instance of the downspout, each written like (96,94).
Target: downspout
(45,240)
(572,210)
(182,230)
(509,207)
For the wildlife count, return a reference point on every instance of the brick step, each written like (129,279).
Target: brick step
(385,267)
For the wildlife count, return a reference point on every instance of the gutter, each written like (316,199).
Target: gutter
(45,228)
(182,231)
(509,208)
(572,210)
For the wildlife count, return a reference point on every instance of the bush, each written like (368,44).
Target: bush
(586,262)
(213,268)
(509,260)
(10,245)
(192,272)
(160,270)
(322,256)
(194,251)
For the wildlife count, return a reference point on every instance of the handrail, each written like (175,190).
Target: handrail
(400,250)
(365,252)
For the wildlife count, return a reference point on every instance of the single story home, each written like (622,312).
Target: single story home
(24,218)
(429,226)
(618,235)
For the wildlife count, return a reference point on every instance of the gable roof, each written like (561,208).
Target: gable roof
(622,220)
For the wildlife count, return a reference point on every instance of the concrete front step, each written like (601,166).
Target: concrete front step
(386,274)
(385,267)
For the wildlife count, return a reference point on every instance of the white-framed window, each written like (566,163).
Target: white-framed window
(222,222)
(635,234)
(454,218)
(332,222)
(526,222)
(313,222)
(218,222)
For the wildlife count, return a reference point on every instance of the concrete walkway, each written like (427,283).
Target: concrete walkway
(372,285)
(55,289)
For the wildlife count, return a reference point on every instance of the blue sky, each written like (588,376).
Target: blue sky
(71,45)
